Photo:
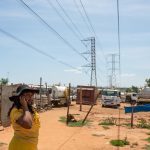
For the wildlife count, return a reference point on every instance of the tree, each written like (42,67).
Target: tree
(132,89)
(148,82)
(135,89)
(128,90)
(4,81)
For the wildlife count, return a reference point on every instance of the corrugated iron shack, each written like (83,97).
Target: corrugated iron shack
(86,95)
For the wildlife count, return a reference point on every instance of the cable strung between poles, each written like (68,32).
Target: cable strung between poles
(52,29)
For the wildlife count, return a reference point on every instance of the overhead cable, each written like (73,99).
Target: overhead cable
(36,49)
(83,18)
(67,24)
(66,14)
(51,29)
(90,23)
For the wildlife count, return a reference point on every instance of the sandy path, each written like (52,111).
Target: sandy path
(55,135)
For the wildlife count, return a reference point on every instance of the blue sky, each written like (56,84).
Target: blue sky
(22,64)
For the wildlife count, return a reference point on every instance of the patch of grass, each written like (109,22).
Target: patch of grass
(148,139)
(146,147)
(108,122)
(106,127)
(120,143)
(127,124)
(143,124)
(74,124)
(62,119)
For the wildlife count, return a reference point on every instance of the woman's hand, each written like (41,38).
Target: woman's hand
(26,119)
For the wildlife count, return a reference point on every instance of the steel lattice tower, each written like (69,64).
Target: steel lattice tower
(92,65)
(113,74)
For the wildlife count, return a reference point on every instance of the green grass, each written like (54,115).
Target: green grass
(120,143)
(106,127)
(148,139)
(146,147)
(108,122)
(143,124)
(74,124)
(127,124)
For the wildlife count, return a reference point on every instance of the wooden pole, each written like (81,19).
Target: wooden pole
(68,104)
(1,102)
(132,114)
(49,99)
(40,92)
(80,99)
(87,113)
(90,109)
(118,128)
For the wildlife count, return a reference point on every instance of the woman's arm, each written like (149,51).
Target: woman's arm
(26,119)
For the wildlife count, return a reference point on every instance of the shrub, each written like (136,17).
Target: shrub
(74,124)
(143,124)
(108,121)
(120,142)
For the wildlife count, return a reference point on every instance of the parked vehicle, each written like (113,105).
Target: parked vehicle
(145,93)
(59,95)
(131,97)
(144,96)
(111,97)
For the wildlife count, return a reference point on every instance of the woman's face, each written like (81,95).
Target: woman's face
(29,97)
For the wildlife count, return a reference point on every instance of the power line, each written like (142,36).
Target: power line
(87,17)
(71,19)
(36,49)
(90,23)
(84,20)
(59,4)
(52,29)
(67,24)
(59,14)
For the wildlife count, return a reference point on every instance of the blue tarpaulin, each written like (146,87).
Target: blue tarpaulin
(140,108)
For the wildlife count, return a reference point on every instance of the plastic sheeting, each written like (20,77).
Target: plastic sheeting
(141,108)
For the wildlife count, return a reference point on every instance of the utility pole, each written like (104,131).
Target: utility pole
(92,64)
(41,92)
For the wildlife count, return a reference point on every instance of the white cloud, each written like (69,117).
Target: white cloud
(77,71)
(128,75)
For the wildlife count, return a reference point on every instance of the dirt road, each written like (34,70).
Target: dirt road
(55,135)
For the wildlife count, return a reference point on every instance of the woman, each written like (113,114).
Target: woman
(24,119)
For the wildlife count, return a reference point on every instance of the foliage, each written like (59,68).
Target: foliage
(148,82)
(127,124)
(4,81)
(132,89)
(135,89)
(148,139)
(108,121)
(143,124)
(119,142)
(146,147)
(73,124)
(128,90)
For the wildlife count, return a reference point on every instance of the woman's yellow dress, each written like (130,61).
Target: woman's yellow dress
(24,139)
